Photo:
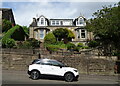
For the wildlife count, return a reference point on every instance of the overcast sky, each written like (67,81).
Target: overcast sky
(25,11)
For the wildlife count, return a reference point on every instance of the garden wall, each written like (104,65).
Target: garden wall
(18,59)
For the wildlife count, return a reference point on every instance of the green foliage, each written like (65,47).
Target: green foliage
(24,45)
(52,48)
(80,45)
(8,43)
(16,32)
(6,25)
(106,27)
(50,39)
(34,43)
(55,47)
(10,32)
(70,35)
(70,46)
(63,33)
(93,44)
(60,33)
(30,43)
(26,30)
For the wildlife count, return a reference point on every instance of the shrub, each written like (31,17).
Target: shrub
(34,43)
(52,48)
(30,43)
(80,45)
(93,44)
(50,39)
(8,43)
(71,47)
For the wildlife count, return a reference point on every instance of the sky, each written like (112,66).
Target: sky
(25,11)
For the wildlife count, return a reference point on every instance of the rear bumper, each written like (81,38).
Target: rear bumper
(76,78)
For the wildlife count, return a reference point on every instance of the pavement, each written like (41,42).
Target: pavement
(11,78)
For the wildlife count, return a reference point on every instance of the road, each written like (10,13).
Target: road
(21,77)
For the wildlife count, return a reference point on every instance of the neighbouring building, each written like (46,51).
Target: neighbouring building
(7,13)
(41,26)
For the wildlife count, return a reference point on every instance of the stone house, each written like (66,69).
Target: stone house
(41,26)
(7,13)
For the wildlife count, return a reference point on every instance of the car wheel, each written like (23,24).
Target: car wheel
(35,75)
(69,77)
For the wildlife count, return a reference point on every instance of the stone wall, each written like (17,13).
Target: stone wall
(20,59)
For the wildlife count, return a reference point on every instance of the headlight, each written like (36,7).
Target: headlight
(75,70)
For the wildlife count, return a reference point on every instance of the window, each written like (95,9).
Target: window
(53,22)
(82,33)
(81,21)
(78,33)
(56,63)
(61,22)
(42,21)
(57,22)
(41,34)
(36,33)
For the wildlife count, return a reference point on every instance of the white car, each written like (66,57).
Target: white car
(41,67)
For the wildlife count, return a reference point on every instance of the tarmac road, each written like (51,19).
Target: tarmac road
(21,77)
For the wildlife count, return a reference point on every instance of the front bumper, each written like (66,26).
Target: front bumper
(28,72)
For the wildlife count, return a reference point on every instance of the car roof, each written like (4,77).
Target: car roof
(45,60)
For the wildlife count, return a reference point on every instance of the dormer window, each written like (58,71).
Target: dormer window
(53,22)
(57,22)
(42,21)
(81,21)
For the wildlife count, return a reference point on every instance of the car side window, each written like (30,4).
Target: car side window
(54,63)
(45,63)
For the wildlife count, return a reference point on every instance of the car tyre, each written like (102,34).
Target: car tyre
(69,77)
(35,75)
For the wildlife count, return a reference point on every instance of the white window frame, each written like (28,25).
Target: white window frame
(42,21)
(53,22)
(81,21)
(42,33)
(82,33)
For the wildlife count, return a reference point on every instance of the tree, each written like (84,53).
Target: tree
(50,39)
(60,33)
(70,35)
(6,25)
(63,33)
(105,26)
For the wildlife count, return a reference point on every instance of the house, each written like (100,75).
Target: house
(41,26)
(7,13)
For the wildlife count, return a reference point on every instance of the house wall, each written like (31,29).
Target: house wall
(52,28)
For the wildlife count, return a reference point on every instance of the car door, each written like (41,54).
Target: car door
(46,68)
(56,69)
